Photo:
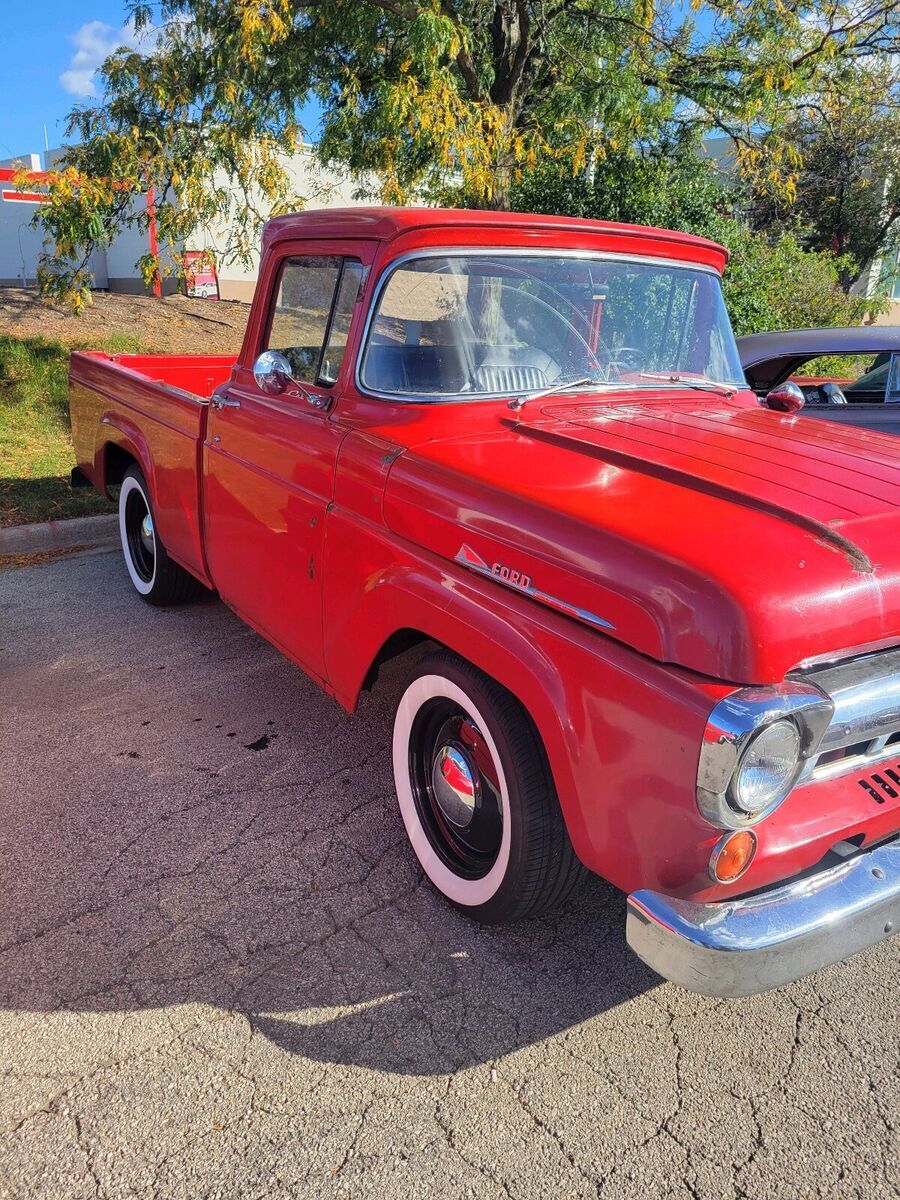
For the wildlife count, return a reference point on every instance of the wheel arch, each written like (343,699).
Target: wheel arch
(122,447)
(411,610)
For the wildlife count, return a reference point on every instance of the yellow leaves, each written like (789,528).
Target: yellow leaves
(262,23)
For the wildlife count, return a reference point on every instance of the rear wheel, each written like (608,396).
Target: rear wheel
(155,576)
(476,794)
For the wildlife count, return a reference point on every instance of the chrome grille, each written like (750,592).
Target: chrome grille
(854,756)
(865,729)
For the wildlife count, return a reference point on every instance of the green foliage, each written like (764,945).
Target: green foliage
(781,285)
(35,446)
(420,96)
(846,190)
(670,187)
(768,285)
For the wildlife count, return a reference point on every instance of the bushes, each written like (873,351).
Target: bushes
(768,285)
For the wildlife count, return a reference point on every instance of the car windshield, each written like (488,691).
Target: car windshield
(471,325)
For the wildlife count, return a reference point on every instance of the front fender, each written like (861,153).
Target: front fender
(622,733)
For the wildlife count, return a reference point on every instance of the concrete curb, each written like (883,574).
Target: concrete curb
(59,535)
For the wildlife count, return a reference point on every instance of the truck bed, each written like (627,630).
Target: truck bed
(150,408)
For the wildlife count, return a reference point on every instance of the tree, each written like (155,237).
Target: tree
(846,195)
(429,95)
(770,282)
(670,185)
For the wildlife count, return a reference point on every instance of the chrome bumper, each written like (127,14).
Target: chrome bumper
(738,947)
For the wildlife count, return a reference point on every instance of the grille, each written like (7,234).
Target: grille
(863,738)
(847,758)
(882,785)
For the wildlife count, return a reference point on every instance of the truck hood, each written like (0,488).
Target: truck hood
(719,536)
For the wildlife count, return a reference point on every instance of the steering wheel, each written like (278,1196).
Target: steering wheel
(547,310)
(631,358)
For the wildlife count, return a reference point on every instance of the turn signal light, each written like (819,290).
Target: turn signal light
(732,855)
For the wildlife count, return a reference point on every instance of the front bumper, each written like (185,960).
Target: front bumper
(738,947)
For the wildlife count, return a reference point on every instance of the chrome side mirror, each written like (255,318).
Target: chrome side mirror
(272,372)
(786,398)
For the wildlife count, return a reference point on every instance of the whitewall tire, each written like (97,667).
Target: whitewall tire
(155,577)
(476,795)
(137,533)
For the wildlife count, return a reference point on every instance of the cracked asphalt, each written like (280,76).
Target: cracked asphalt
(222,975)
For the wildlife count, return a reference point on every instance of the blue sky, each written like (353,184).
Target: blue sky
(50,48)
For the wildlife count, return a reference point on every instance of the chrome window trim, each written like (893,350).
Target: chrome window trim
(730,728)
(500,252)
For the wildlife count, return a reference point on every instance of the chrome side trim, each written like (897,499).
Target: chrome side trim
(468,558)
(729,729)
(497,252)
(738,947)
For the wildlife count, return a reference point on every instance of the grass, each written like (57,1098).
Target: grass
(35,443)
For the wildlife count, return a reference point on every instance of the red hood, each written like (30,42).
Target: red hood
(717,535)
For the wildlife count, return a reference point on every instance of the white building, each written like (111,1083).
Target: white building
(114,268)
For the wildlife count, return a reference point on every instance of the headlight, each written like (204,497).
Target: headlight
(755,742)
(766,769)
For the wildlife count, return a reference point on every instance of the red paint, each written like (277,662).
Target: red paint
(151,235)
(7,175)
(26,197)
(724,543)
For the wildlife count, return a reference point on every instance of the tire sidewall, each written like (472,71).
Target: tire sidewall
(134,482)
(489,894)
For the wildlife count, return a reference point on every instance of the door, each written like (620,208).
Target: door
(270,459)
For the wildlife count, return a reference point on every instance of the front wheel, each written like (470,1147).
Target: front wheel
(476,794)
(157,579)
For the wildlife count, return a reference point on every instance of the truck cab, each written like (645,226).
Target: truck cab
(655,623)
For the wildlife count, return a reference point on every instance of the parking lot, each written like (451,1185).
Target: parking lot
(223,976)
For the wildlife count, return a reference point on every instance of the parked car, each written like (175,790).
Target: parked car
(655,624)
(869,397)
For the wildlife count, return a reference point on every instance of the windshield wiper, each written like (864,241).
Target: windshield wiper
(703,385)
(519,402)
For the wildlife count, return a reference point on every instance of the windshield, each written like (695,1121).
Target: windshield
(475,325)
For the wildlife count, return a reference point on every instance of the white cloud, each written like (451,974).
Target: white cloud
(93,42)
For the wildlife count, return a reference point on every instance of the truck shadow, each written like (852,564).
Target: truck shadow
(423,992)
(174,853)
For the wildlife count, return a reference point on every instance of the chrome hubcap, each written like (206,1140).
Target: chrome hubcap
(453,780)
(147,531)
(456,788)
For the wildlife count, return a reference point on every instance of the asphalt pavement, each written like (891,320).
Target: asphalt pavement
(222,975)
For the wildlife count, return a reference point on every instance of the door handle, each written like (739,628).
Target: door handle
(222,400)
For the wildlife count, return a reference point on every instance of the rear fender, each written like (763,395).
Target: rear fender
(174,492)
(116,429)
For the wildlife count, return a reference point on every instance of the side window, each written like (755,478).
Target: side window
(313,307)
(893,386)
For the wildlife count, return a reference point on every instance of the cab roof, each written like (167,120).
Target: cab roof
(385,223)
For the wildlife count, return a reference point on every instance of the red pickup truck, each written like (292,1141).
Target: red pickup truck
(656,620)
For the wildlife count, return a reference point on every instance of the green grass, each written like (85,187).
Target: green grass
(35,444)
